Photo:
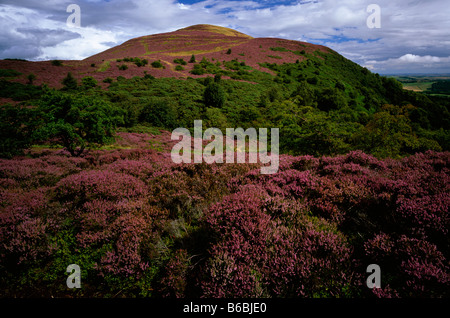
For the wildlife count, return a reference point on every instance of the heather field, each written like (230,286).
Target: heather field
(139,225)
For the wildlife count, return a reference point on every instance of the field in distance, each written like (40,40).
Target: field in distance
(426,83)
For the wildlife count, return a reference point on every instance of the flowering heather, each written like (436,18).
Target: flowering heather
(138,224)
(268,247)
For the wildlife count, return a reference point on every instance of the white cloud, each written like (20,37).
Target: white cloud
(411,58)
(411,63)
(412,33)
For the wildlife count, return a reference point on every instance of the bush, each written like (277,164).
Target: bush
(123,67)
(16,130)
(180,61)
(88,82)
(158,113)
(31,77)
(214,95)
(179,68)
(9,73)
(69,82)
(157,64)
(198,70)
(56,63)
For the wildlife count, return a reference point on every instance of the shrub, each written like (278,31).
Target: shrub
(9,73)
(179,68)
(198,70)
(157,64)
(31,77)
(88,82)
(180,61)
(159,113)
(123,67)
(69,82)
(16,129)
(56,63)
(214,95)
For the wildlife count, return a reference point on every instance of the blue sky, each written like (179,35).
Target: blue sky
(414,35)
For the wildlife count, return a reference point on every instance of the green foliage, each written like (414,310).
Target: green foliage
(159,113)
(31,77)
(157,64)
(441,87)
(19,92)
(214,95)
(9,73)
(122,67)
(180,61)
(15,129)
(79,122)
(56,63)
(389,134)
(198,70)
(88,82)
(179,68)
(69,82)
(344,104)
(279,49)
(192,60)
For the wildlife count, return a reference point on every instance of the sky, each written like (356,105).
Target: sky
(397,37)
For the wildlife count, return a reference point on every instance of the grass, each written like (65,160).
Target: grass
(104,66)
(418,87)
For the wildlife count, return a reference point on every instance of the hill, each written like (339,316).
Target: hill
(203,41)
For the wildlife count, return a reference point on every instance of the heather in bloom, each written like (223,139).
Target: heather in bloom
(139,224)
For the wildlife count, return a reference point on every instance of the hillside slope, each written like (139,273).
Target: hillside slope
(203,41)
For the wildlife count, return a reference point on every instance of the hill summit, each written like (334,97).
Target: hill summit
(215,29)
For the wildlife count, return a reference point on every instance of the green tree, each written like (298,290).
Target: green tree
(310,131)
(159,113)
(330,99)
(88,82)
(192,60)
(214,95)
(16,129)
(389,134)
(78,122)
(31,77)
(69,82)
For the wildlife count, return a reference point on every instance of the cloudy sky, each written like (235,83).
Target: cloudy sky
(413,35)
